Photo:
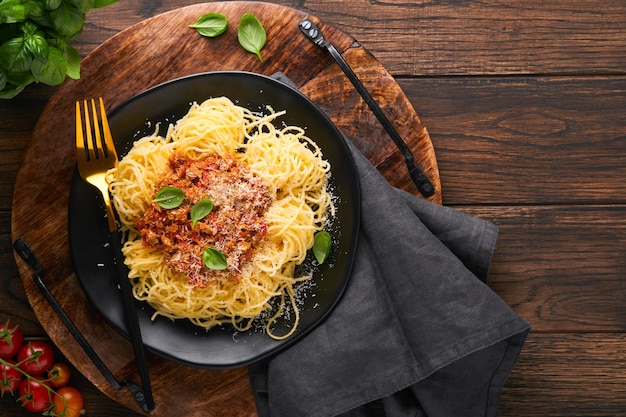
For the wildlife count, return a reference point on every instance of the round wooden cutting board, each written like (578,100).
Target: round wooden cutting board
(154,51)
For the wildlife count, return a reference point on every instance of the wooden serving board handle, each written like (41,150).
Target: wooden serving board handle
(154,51)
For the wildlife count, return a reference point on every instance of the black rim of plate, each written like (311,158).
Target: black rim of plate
(180,340)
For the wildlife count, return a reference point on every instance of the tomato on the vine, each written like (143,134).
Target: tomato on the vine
(11,377)
(41,357)
(68,402)
(59,375)
(11,339)
(34,396)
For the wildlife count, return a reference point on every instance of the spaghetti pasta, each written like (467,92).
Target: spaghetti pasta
(270,190)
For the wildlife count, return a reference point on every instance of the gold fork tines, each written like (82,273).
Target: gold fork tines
(95,151)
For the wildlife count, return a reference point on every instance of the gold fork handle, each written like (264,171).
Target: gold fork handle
(110,213)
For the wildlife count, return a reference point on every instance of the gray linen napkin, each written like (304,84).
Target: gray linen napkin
(417,329)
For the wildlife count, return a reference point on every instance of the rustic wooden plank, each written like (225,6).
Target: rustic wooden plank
(568,375)
(526,140)
(14,302)
(561,267)
(488,37)
(449,37)
(16,125)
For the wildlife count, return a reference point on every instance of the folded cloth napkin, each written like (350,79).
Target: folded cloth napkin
(417,330)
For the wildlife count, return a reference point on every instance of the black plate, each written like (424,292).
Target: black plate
(180,340)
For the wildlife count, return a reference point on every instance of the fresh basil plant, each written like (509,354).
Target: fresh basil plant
(35,38)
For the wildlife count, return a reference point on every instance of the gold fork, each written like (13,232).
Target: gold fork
(95,155)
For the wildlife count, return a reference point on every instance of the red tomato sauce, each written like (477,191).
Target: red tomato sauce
(234,226)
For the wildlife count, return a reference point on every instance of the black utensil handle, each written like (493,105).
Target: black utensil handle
(26,253)
(424,185)
(132,323)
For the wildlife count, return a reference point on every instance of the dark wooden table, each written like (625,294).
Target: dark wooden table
(525,104)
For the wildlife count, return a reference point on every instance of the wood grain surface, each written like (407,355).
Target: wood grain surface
(524,103)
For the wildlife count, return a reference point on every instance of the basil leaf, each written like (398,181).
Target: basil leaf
(210,25)
(36,44)
(52,4)
(72,57)
(83,5)
(52,69)
(214,259)
(14,56)
(67,19)
(322,243)
(251,34)
(169,197)
(11,90)
(200,210)
(34,8)
(12,11)
(20,78)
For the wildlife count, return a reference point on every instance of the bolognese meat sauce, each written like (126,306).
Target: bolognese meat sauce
(234,226)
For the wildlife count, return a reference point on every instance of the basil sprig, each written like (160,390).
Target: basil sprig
(169,197)
(251,34)
(322,242)
(214,259)
(35,37)
(200,210)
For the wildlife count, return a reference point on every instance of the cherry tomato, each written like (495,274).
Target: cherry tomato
(41,357)
(59,375)
(68,402)
(11,377)
(34,395)
(11,339)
